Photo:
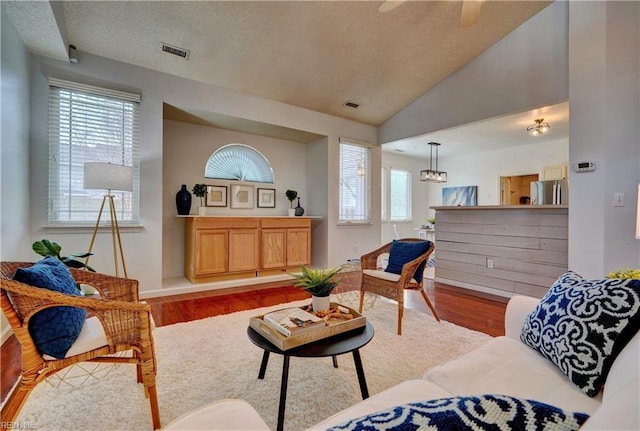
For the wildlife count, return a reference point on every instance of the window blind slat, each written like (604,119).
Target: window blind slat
(86,125)
(354,200)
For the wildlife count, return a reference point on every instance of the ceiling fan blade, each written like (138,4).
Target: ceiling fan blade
(390,5)
(470,12)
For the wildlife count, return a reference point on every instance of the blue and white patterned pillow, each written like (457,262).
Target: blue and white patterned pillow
(483,412)
(582,325)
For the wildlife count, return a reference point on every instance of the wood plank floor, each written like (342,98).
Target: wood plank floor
(472,310)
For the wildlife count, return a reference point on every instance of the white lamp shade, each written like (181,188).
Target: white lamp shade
(108,176)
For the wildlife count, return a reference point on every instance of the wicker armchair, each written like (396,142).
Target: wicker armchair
(392,285)
(125,321)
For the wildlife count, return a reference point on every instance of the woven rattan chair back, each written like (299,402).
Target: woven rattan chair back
(394,289)
(125,320)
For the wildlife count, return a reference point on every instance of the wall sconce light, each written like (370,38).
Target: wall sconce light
(431,175)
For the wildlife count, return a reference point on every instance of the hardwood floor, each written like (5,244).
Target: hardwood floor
(472,310)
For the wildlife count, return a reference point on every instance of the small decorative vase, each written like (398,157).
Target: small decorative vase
(292,212)
(320,303)
(183,201)
(299,210)
(202,211)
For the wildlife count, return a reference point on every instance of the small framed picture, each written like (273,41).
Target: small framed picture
(216,196)
(241,196)
(266,198)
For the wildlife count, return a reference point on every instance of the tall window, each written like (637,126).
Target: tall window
(396,194)
(90,124)
(355,183)
(400,195)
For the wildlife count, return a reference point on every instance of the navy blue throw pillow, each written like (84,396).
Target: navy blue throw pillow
(582,325)
(405,251)
(482,412)
(54,329)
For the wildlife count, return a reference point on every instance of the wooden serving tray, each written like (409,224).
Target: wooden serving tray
(334,327)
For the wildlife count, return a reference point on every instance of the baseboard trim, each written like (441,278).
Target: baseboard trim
(6,333)
(180,285)
(469,286)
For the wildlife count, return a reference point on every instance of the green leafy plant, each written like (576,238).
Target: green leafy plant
(44,247)
(200,190)
(431,220)
(318,282)
(291,195)
(625,273)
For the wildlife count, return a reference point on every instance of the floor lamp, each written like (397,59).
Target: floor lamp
(108,176)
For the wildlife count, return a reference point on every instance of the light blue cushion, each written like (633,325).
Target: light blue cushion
(483,412)
(54,329)
(582,325)
(405,251)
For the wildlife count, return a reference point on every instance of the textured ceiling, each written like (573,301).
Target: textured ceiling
(315,55)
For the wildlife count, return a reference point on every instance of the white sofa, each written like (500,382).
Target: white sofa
(503,366)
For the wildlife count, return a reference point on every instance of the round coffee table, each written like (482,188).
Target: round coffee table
(346,342)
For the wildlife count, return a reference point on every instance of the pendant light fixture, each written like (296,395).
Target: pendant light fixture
(540,128)
(431,175)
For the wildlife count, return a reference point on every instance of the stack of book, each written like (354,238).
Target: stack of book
(293,321)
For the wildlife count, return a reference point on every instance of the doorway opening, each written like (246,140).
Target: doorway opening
(515,189)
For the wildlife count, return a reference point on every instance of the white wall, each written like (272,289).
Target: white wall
(15,243)
(143,247)
(482,169)
(589,56)
(485,169)
(419,193)
(605,108)
(187,148)
(526,69)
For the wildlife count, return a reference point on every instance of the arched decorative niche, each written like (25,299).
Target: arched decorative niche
(239,162)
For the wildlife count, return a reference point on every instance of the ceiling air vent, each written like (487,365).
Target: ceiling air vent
(350,104)
(180,52)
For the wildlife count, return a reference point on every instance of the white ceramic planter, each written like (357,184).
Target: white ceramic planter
(292,212)
(202,210)
(320,303)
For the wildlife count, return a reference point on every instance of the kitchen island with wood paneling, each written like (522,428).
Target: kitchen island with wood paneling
(502,250)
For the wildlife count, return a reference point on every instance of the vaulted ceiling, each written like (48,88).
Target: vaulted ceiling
(312,54)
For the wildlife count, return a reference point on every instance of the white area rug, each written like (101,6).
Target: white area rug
(212,359)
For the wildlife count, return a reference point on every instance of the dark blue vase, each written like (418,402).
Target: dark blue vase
(299,209)
(183,201)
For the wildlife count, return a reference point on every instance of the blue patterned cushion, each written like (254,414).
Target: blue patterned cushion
(53,329)
(405,251)
(483,412)
(582,325)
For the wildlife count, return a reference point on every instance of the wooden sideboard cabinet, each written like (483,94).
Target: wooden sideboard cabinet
(220,248)
(284,242)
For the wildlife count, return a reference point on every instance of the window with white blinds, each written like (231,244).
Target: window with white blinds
(90,124)
(355,183)
(400,195)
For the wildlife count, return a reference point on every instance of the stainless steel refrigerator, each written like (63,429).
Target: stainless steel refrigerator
(554,192)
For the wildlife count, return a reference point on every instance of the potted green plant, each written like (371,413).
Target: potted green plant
(200,190)
(45,248)
(319,283)
(291,195)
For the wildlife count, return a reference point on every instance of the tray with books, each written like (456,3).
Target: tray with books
(292,327)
